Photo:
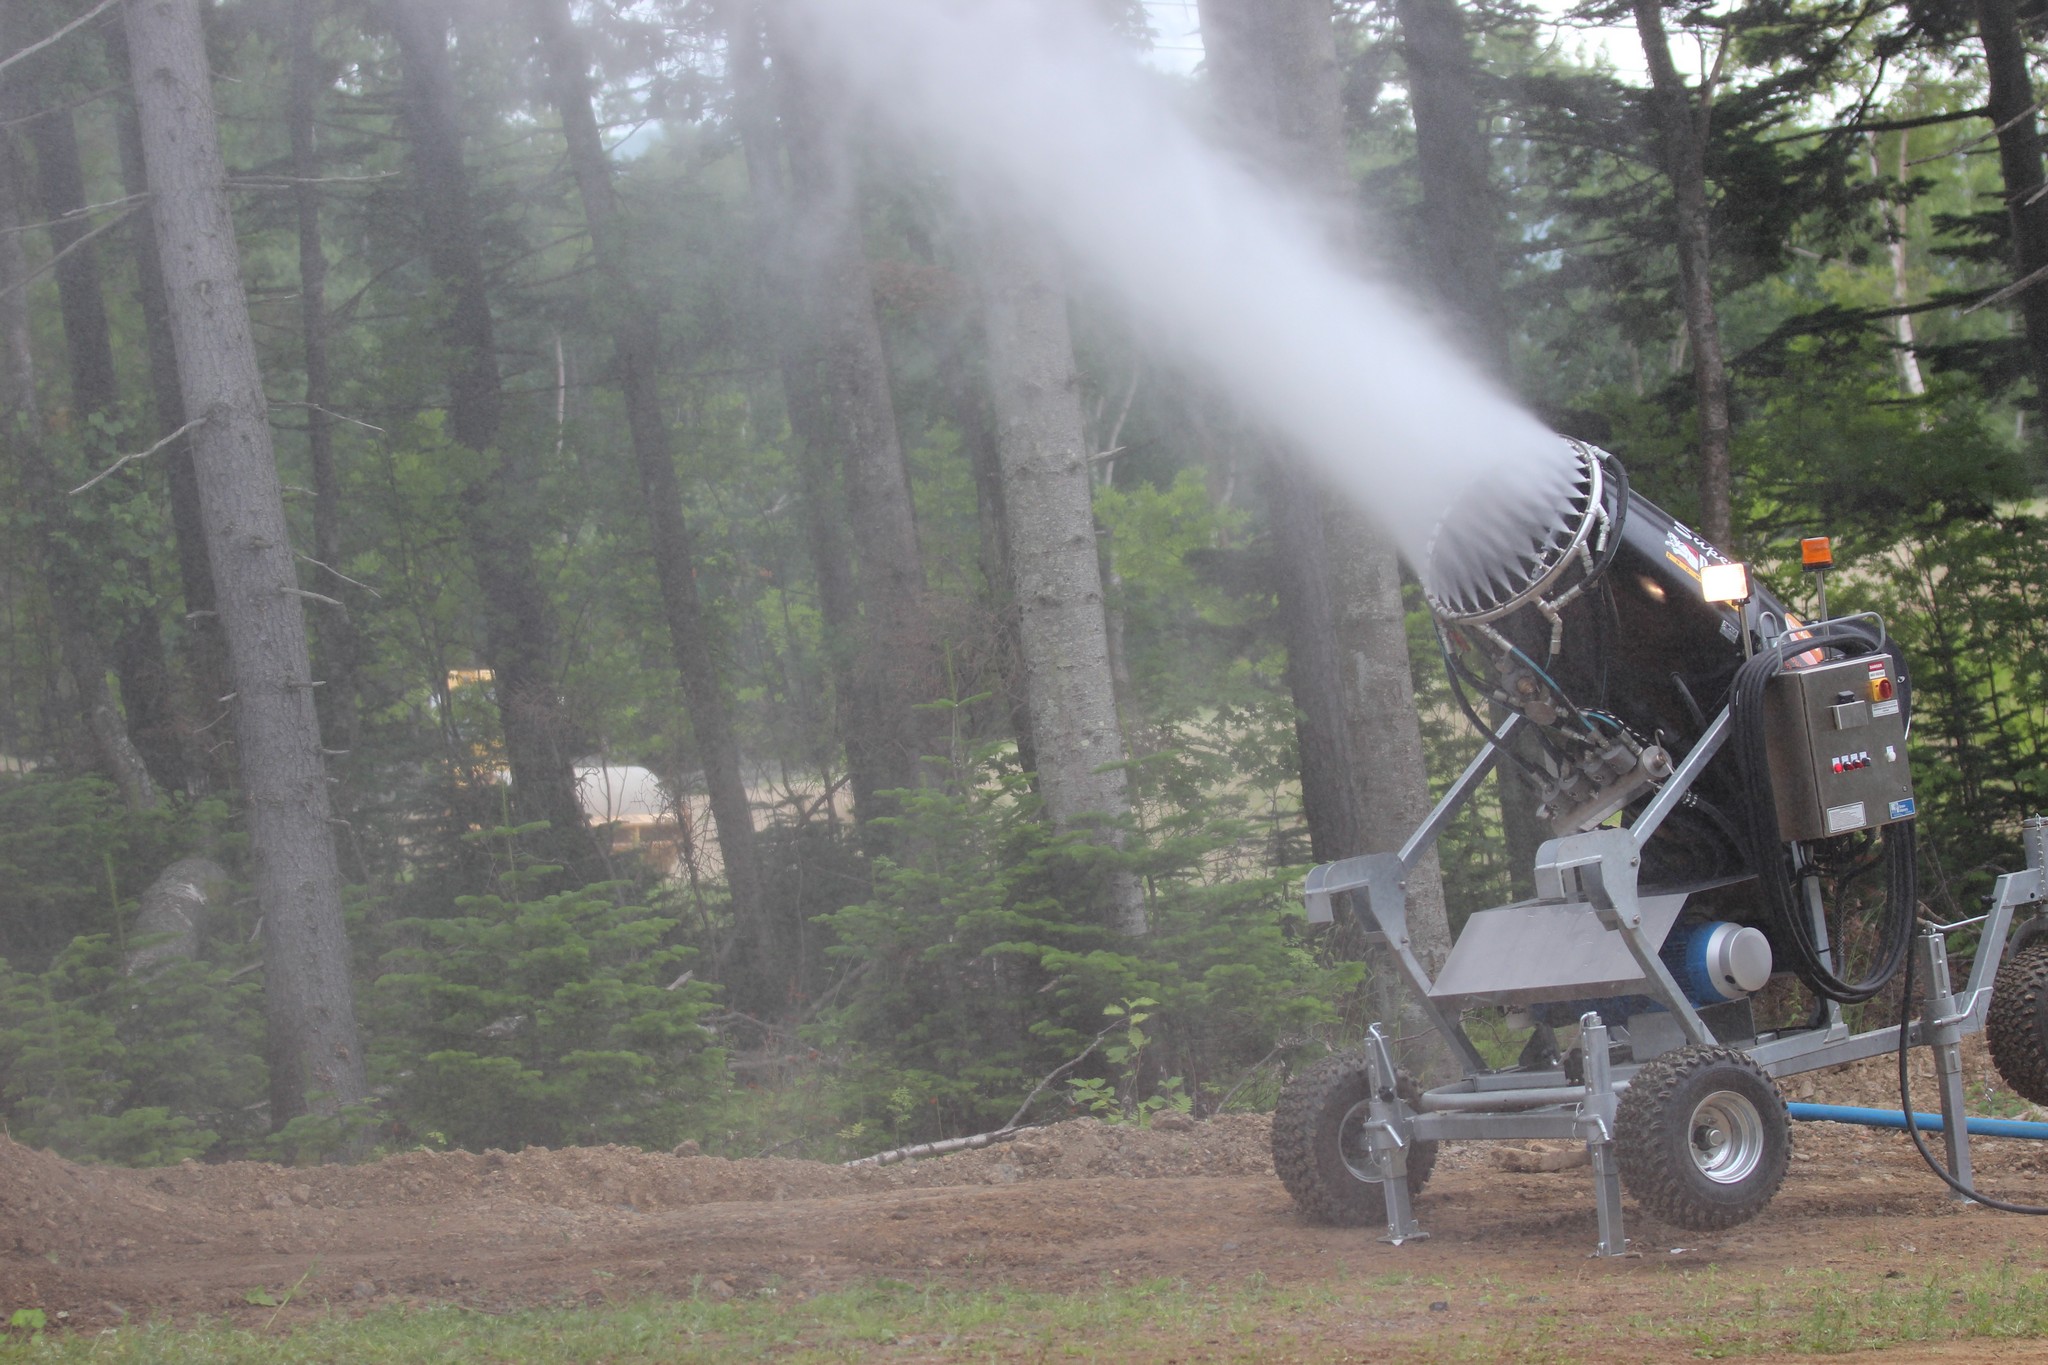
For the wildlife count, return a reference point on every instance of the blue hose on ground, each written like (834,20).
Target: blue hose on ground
(1928,1123)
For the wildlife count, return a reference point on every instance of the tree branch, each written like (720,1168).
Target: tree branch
(127,460)
(329,568)
(47,266)
(122,203)
(80,22)
(2018,286)
(1899,125)
(1946,152)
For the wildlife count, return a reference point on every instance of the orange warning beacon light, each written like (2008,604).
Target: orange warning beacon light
(1817,554)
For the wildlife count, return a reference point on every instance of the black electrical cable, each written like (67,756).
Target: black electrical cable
(1848,639)
(1913,1129)
(1453,668)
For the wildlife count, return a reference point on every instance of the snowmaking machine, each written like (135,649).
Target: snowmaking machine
(1728,802)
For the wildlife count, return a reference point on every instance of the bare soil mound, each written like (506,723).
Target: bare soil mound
(53,1210)
(1071,1206)
(634,1181)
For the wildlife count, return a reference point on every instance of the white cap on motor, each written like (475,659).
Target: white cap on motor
(1738,958)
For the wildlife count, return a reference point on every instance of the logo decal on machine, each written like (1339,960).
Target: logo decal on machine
(1689,552)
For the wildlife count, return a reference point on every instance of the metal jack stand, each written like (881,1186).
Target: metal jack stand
(1387,1125)
(1596,1119)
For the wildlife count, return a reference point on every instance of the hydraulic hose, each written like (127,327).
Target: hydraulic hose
(1928,1123)
(1913,1130)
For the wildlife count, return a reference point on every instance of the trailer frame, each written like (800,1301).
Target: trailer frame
(1592,932)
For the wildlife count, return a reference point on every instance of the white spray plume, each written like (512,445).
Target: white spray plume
(1036,99)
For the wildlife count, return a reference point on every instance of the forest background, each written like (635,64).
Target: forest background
(641,405)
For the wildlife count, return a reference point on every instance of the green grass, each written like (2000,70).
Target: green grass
(886,1319)
(1703,1314)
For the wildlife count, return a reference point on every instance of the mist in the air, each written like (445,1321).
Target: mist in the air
(1034,105)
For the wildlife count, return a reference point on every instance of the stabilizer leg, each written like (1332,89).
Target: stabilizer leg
(1390,1136)
(1597,1116)
(1944,1037)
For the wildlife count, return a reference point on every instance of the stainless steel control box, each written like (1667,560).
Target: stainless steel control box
(1836,738)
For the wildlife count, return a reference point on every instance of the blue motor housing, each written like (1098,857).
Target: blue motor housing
(1715,961)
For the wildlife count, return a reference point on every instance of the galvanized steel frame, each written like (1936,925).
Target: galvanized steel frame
(1599,869)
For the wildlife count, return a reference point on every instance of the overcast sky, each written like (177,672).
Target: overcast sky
(1178,46)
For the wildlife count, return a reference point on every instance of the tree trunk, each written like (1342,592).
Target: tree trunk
(1298,525)
(68,585)
(1048,510)
(1680,128)
(177,904)
(968,398)
(796,346)
(206,654)
(1246,41)
(138,654)
(1461,213)
(60,176)
(637,346)
(1462,223)
(2010,107)
(502,507)
(339,648)
(314,1048)
(1275,67)
(1895,228)
(1379,693)
(897,649)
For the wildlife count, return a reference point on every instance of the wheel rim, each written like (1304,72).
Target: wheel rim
(1726,1137)
(1354,1143)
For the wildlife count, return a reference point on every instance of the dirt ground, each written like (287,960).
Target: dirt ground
(1074,1207)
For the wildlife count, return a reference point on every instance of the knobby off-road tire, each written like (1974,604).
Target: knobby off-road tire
(2018,1021)
(1703,1138)
(1319,1144)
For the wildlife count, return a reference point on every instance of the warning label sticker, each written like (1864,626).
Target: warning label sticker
(1842,819)
(1885,708)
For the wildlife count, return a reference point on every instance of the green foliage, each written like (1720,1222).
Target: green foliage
(1966,599)
(30,1322)
(555,1021)
(139,1070)
(73,858)
(984,965)
(929,994)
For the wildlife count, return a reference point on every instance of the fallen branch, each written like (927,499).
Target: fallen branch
(126,460)
(965,1144)
(1009,1130)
